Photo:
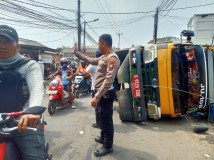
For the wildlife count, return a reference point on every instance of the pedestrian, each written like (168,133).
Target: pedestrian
(92,69)
(108,64)
(189,40)
(26,92)
(53,66)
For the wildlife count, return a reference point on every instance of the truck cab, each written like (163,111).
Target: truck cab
(166,80)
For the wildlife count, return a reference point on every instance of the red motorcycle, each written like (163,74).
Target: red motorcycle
(57,96)
(8,124)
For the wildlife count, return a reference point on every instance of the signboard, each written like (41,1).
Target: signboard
(135,86)
(46,58)
(57,58)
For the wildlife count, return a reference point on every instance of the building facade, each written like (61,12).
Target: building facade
(203,27)
(47,56)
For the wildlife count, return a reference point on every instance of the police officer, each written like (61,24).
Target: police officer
(108,64)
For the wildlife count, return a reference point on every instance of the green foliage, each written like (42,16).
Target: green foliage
(59,49)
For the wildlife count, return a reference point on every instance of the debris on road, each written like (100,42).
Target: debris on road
(206,155)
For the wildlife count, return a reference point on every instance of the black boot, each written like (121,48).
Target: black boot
(103,151)
(98,139)
(95,125)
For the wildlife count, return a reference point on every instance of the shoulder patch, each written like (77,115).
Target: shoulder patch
(111,63)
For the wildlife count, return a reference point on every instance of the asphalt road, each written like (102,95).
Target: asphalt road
(71,137)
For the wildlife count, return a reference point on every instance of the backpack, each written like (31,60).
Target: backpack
(11,84)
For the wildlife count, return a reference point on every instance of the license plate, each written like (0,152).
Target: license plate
(136,86)
(51,92)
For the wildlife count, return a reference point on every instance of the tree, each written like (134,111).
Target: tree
(60,49)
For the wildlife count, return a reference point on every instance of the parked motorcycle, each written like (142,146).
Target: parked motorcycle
(79,86)
(8,124)
(57,96)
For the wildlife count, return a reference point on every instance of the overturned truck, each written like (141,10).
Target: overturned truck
(165,80)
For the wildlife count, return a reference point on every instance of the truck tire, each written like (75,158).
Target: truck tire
(125,108)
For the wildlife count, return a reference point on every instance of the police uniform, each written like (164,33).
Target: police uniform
(103,82)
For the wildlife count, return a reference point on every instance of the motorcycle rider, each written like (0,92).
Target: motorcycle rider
(29,143)
(73,67)
(66,74)
(82,69)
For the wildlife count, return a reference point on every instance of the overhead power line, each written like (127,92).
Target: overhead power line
(10,5)
(44,5)
(153,11)
(68,35)
(171,4)
(34,18)
(164,5)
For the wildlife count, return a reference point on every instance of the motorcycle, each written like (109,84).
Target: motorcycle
(8,124)
(79,86)
(57,96)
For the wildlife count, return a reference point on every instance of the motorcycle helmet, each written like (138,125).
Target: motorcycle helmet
(98,53)
(63,61)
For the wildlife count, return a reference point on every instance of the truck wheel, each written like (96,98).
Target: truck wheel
(51,107)
(125,108)
(120,113)
(126,114)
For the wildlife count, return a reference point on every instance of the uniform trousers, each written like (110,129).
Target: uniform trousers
(105,110)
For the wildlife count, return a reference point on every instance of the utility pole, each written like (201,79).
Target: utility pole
(84,32)
(212,40)
(79,27)
(84,36)
(155,26)
(119,34)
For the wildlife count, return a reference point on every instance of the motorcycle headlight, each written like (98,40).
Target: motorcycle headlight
(54,84)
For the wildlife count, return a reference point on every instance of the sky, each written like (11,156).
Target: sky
(135,28)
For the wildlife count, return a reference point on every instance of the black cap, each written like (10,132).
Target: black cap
(9,32)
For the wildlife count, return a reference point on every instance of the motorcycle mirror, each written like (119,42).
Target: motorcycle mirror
(34,110)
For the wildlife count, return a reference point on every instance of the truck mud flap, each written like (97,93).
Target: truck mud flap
(123,73)
(125,108)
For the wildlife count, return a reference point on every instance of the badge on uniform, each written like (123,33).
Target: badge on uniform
(100,62)
(111,63)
